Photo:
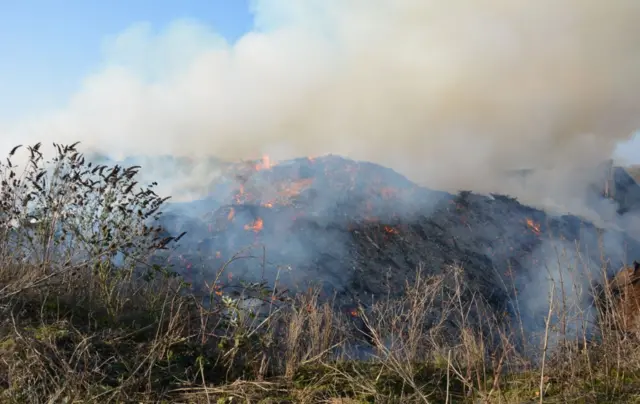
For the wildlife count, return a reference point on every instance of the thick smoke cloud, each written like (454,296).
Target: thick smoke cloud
(448,92)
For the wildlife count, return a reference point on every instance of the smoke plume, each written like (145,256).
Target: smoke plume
(448,93)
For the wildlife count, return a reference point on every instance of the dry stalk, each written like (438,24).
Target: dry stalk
(546,340)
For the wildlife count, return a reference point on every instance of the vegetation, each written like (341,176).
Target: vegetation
(88,314)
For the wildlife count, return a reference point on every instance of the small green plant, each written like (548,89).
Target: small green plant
(66,213)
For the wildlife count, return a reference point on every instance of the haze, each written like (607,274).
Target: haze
(448,93)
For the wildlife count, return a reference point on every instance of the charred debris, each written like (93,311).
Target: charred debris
(360,230)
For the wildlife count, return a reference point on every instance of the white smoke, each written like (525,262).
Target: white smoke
(449,93)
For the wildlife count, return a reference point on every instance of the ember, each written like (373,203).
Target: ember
(265,164)
(535,227)
(330,219)
(256,226)
(239,197)
(390,230)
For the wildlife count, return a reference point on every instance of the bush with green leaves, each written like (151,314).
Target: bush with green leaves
(67,212)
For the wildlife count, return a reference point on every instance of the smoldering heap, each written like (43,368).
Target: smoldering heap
(361,230)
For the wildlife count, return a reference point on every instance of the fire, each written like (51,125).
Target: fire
(354,313)
(296,187)
(255,226)
(265,164)
(240,194)
(285,192)
(257,192)
(390,230)
(535,227)
(231,214)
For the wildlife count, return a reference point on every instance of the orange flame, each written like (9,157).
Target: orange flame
(256,226)
(238,197)
(354,313)
(231,214)
(285,192)
(265,164)
(535,227)
(217,290)
(296,187)
(390,230)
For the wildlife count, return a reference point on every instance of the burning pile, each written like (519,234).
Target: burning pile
(360,229)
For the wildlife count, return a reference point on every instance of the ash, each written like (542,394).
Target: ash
(359,231)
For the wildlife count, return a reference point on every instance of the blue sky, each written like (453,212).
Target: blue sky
(47,47)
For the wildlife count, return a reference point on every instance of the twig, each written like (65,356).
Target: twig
(546,341)
(448,371)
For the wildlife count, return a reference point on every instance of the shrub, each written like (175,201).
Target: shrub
(65,212)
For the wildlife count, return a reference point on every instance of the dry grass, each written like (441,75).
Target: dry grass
(60,344)
(85,330)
